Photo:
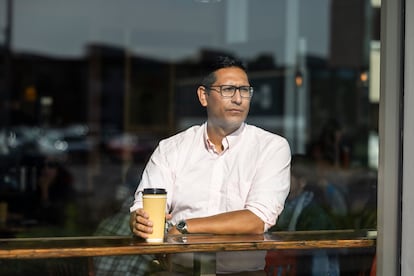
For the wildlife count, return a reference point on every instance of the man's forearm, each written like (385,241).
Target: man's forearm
(236,222)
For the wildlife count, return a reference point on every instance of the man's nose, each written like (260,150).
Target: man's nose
(237,98)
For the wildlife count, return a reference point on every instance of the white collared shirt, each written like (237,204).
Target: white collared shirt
(252,172)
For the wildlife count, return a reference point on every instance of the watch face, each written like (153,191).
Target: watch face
(181,225)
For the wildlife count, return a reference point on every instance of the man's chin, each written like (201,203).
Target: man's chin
(232,124)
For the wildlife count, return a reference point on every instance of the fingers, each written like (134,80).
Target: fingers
(142,224)
(142,213)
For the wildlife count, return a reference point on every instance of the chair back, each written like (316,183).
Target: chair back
(280,263)
(373,271)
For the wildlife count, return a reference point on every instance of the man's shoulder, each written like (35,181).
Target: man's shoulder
(183,136)
(262,134)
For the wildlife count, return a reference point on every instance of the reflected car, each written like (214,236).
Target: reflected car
(128,145)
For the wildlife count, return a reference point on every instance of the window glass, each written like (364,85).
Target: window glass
(88,89)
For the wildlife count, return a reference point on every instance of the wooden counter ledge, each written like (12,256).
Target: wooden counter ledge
(62,247)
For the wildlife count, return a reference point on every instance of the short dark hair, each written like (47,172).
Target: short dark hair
(218,63)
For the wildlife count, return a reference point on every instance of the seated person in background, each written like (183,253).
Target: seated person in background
(117,225)
(54,191)
(303,212)
(331,156)
(221,177)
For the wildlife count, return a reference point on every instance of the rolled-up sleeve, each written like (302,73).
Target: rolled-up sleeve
(271,183)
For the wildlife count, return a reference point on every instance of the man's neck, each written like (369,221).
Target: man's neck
(216,135)
(216,138)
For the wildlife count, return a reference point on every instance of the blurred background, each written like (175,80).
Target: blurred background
(88,88)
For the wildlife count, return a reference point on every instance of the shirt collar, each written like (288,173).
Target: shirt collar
(228,141)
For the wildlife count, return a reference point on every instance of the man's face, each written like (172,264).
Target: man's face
(226,113)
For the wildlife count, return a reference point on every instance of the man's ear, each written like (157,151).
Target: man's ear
(202,95)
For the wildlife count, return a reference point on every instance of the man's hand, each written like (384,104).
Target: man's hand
(140,224)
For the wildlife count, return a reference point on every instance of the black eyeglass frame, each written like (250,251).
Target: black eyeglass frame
(233,88)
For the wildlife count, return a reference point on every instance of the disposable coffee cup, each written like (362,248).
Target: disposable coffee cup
(155,202)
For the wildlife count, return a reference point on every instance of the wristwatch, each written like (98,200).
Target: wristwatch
(181,226)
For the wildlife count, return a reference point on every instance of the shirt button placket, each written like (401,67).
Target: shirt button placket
(215,185)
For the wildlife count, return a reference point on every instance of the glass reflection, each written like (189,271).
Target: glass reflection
(96,84)
(105,95)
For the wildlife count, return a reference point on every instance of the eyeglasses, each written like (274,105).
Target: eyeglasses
(228,91)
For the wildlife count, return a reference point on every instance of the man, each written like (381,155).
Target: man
(223,177)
